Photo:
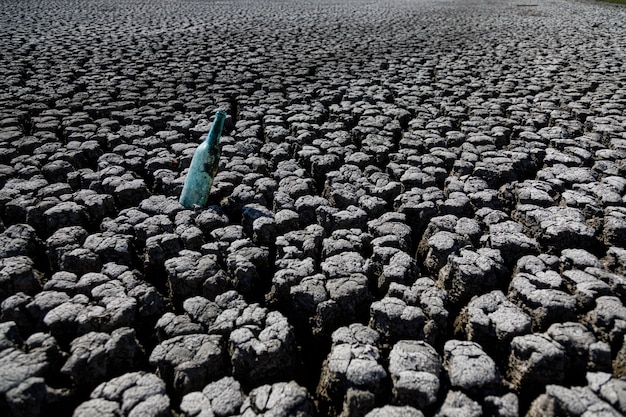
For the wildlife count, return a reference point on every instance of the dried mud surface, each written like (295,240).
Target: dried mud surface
(420,208)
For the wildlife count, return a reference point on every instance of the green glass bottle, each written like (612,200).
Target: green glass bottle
(203,167)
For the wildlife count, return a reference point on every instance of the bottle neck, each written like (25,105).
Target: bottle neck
(216,128)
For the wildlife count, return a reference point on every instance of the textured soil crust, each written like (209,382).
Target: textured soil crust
(420,208)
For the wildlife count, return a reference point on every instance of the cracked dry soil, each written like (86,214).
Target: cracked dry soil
(420,208)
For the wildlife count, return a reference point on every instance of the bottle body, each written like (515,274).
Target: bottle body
(203,168)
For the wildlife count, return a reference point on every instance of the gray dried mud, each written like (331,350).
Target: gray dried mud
(420,208)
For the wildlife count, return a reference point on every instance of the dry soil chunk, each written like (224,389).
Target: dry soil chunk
(535,360)
(608,319)
(492,321)
(132,394)
(343,264)
(188,362)
(19,239)
(187,273)
(584,351)
(612,390)
(415,367)
(395,320)
(281,399)
(111,247)
(248,265)
(97,356)
(63,241)
(351,366)
(64,214)
(262,348)
(575,401)
(542,297)
(458,404)
(17,366)
(171,325)
(508,237)
(469,367)
(221,398)
(18,274)
(395,411)
(471,273)
(585,287)
(556,227)
(504,406)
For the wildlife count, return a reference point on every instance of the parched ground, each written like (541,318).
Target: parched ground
(420,208)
